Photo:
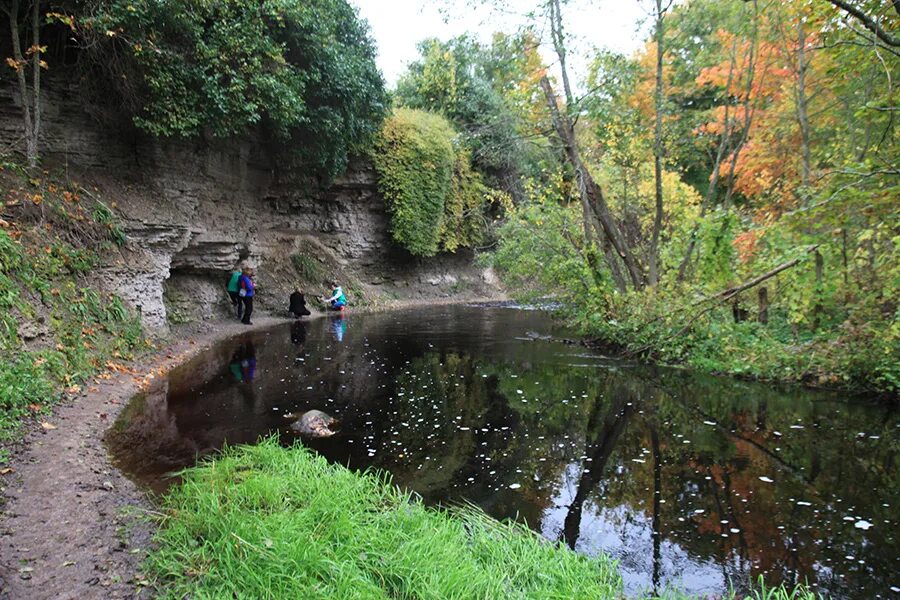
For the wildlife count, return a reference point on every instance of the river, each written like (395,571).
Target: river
(691,482)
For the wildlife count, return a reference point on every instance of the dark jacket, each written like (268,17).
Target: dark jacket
(298,304)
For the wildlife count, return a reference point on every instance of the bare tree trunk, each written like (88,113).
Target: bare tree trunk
(591,194)
(748,106)
(36,83)
(817,308)
(763,316)
(846,264)
(722,150)
(30,142)
(559,45)
(802,108)
(657,149)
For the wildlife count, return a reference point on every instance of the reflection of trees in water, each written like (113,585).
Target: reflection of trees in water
(750,526)
(516,411)
(608,420)
(428,433)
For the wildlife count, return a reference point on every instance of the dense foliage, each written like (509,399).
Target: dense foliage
(777,246)
(415,156)
(436,201)
(487,92)
(304,70)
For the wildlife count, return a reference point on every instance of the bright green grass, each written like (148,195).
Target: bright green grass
(268,522)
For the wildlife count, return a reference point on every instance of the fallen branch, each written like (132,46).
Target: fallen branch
(724,296)
(734,291)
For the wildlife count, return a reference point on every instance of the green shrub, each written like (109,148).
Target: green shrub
(415,158)
(87,327)
(437,201)
(308,267)
(465,221)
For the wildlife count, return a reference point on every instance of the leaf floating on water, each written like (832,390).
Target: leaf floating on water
(766,479)
(863,524)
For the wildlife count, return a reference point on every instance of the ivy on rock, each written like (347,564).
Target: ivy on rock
(436,200)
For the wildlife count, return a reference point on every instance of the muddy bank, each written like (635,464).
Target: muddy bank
(74,526)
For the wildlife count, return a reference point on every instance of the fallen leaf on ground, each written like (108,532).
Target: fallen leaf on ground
(47,426)
(35,407)
(7,471)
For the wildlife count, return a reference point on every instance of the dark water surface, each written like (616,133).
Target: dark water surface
(689,481)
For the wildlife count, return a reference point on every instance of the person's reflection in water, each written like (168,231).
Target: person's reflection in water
(298,333)
(298,337)
(338,327)
(243,362)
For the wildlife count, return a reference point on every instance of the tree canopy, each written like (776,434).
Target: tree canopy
(303,71)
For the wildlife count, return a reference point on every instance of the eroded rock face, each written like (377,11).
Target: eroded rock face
(193,209)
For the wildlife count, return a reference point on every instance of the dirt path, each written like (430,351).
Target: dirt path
(73,526)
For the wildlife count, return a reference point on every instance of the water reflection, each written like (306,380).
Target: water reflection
(691,482)
(243,362)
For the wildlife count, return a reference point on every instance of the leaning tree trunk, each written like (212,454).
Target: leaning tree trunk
(590,193)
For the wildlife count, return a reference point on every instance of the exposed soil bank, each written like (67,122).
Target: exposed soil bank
(72,524)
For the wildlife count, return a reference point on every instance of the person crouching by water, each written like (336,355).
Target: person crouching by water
(298,304)
(337,301)
(232,286)
(247,291)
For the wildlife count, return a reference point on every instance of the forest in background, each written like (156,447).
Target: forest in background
(726,198)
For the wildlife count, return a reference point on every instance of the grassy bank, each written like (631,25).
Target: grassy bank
(57,327)
(268,522)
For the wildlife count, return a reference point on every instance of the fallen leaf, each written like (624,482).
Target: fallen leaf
(47,426)
(7,471)
(69,563)
(35,407)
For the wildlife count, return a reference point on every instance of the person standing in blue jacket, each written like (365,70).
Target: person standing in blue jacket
(247,292)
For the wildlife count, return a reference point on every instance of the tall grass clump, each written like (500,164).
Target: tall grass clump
(269,522)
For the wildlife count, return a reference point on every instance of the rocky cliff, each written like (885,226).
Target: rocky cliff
(192,209)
